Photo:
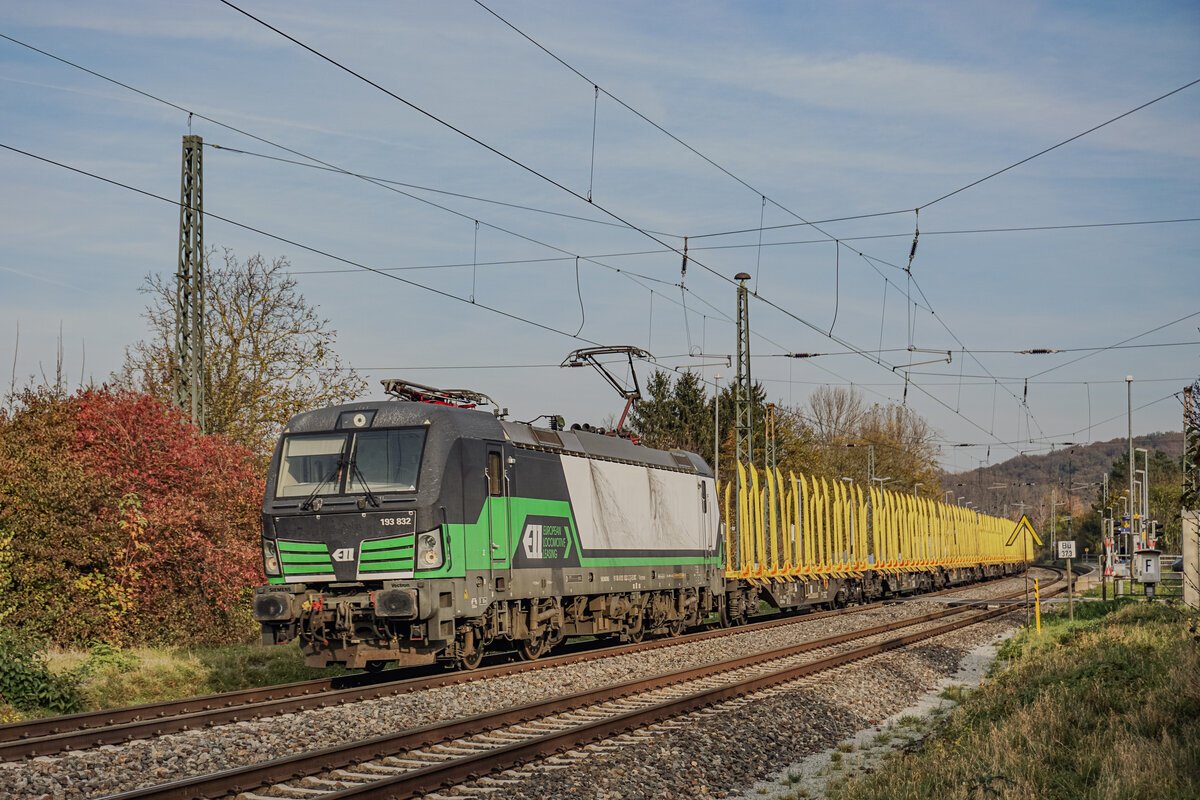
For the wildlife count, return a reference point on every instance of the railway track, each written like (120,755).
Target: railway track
(57,734)
(429,758)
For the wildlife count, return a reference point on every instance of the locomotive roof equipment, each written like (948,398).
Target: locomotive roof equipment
(586,356)
(458,398)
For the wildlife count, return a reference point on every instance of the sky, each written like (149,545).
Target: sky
(539,166)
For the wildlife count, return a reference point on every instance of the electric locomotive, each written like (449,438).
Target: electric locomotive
(426,528)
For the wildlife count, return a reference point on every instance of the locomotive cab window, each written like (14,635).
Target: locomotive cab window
(311,463)
(378,461)
(386,461)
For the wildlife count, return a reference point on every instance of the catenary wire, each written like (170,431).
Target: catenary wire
(1114,346)
(1063,142)
(858,352)
(320,164)
(962,232)
(324,165)
(308,248)
(536,173)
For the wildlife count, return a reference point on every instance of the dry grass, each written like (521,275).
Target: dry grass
(109,678)
(1105,709)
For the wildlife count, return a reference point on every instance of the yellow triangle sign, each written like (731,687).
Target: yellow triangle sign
(1023,526)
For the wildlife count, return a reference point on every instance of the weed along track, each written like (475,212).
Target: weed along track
(113,726)
(459,712)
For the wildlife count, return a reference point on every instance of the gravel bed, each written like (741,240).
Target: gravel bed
(868,750)
(111,769)
(731,750)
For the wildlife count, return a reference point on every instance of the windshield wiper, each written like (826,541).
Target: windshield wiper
(371,498)
(337,468)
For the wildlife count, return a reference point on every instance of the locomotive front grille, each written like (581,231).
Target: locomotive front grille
(390,557)
(305,560)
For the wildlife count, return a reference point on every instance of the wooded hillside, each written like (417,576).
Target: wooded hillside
(1073,472)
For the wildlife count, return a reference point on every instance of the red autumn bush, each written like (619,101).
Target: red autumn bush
(119,522)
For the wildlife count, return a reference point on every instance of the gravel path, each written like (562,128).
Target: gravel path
(116,768)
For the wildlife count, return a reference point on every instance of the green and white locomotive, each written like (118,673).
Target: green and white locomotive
(427,529)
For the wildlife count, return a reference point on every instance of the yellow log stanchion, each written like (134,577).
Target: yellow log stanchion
(769,523)
(806,525)
(860,530)
(759,493)
(785,525)
(818,528)
(745,523)
(877,545)
(838,527)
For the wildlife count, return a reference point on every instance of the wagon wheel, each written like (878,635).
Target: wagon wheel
(675,628)
(532,649)
(375,666)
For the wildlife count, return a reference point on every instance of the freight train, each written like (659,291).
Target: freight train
(425,529)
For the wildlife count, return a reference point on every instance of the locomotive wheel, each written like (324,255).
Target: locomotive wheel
(636,634)
(675,628)
(470,648)
(532,649)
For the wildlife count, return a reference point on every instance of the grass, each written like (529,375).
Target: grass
(954,693)
(109,678)
(1170,588)
(1105,708)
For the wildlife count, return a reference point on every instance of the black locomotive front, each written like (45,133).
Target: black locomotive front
(354,543)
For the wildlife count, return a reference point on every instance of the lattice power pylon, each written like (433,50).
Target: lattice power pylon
(1191,446)
(743,393)
(187,371)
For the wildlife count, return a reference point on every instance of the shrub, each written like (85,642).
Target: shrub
(25,682)
(120,523)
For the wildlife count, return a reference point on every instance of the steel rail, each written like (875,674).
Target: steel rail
(472,767)
(151,714)
(311,763)
(52,735)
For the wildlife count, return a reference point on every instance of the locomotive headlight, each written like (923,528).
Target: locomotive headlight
(429,550)
(270,558)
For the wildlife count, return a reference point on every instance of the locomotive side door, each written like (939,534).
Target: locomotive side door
(498,513)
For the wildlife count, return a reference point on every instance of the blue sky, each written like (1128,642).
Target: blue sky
(825,110)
